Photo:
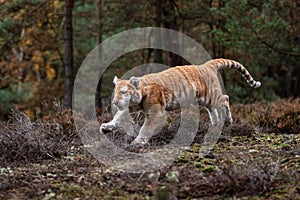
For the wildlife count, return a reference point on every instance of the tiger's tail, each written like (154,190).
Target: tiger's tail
(221,63)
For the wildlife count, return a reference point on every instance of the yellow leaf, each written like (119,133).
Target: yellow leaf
(28,42)
(58,5)
(37,57)
(36,67)
(39,24)
(29,113)
(50,72)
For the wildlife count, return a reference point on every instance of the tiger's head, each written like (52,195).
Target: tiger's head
(126,92)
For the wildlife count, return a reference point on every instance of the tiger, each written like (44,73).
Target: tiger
(158,93)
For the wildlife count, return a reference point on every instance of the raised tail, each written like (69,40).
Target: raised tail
(221,63)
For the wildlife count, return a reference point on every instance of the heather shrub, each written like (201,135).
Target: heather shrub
(33,141)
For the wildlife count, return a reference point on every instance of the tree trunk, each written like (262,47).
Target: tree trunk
(98,99)
(69,70)
(158,12)
(171,23)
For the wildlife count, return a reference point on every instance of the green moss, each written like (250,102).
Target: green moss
(198,164)
(208,169)
(162,193)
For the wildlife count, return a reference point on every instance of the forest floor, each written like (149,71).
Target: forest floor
(258,157)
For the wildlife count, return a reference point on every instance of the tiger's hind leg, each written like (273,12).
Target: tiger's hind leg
(220,112)
(226,109)
(214,116)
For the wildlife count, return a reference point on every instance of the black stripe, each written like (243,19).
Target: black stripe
(241,70)
(247,76)
(236,65)
(251,82)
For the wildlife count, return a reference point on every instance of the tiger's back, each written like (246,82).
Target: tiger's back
(179,84)
(193,81)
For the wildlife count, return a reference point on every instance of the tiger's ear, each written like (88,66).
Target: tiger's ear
(115,80)
(134,81)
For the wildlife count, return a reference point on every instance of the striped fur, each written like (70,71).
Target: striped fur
(171,89)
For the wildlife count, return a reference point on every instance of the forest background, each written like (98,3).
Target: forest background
(262,35)
(43,44)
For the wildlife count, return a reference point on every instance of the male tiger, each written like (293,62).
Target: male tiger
(158,93)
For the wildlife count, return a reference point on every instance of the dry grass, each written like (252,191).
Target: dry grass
(34,141)
(281,116)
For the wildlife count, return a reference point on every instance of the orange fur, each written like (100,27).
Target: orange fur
(173,88)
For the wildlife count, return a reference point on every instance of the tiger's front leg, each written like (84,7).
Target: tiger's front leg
(154,121)
(116,122)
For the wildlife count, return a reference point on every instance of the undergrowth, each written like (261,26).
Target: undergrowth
(258,158)
(24,140)
(54,133)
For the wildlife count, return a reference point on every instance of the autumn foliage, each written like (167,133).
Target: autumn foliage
(261,35)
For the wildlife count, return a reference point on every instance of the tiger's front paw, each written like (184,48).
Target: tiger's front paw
(107,127)
(140,141)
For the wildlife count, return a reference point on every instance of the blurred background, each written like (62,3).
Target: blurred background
(43,43)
